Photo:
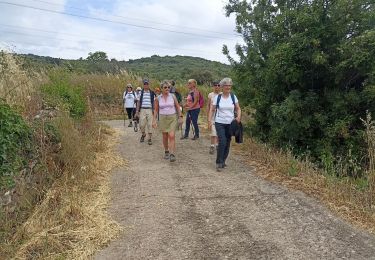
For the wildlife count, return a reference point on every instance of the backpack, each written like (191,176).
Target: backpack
(201,99)
(178,96)
(126,92)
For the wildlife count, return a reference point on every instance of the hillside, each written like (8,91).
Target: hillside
(157,67)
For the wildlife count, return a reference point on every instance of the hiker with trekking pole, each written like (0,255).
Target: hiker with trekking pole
(129,98)
(194,102)
(168,110)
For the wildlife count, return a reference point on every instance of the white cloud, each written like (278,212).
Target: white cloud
(74,37)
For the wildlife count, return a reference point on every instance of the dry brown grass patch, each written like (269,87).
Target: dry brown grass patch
(72,222)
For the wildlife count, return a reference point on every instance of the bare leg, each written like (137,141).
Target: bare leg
(172,142)
(165,141)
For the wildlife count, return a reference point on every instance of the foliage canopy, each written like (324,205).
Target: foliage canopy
(307,67)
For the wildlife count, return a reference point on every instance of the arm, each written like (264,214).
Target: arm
(238,110)
(210,115)
(177,105)
(208,107)
(156,112)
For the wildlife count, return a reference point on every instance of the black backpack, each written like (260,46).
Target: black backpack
(218,101)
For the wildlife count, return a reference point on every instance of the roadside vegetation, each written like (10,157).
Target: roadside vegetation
(54,165)
(306,75)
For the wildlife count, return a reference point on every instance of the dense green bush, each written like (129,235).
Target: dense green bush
(15,144)
(307,67)
(61,93)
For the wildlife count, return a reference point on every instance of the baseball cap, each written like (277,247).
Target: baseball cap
(145,81)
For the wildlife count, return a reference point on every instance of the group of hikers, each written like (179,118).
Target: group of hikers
(163,109)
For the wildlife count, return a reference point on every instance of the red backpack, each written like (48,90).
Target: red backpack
(201,98)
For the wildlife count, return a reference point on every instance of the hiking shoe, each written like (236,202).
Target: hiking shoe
(184,137)
(195,138)
(142,138)
(219,167)
(224,165)
(212,149)
(172,158)
(149,142)
(166,155)
(130,124)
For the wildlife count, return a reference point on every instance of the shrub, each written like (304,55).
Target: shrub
(15,143)
(61,93)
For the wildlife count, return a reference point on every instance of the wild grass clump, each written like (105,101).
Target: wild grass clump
(17,85)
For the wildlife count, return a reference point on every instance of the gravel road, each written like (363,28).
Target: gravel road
(187,210)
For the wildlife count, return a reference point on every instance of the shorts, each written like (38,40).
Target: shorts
(168,123)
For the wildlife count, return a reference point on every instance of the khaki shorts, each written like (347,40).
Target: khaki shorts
(145,122)
(168,123)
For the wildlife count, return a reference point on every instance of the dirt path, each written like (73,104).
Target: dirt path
(187,210)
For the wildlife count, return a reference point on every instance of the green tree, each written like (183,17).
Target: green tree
(307,68)
(97,56)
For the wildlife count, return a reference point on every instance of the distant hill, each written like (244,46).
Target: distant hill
(156,67)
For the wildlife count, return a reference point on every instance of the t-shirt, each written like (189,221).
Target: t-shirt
(129,99)
(225,112)
(146,100)
(189,99)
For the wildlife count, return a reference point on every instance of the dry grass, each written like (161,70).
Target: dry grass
(17,85)
(71,222)
(105,92)
(342,196)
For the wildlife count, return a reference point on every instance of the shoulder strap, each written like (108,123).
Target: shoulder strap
(217,103)
(140,100)
(232,97)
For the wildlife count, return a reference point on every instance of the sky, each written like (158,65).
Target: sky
(124,29)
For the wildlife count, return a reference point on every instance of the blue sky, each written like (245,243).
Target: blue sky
(124,29)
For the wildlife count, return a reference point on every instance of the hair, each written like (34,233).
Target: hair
(226,81)
(193,80)
(173,82)
(165,83)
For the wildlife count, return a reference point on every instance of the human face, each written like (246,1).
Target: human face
(146,86)
(216,88)
(166,89)
(227,89)
(190,85)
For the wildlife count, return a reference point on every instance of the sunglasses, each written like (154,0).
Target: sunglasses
(216,85)
(166,87)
